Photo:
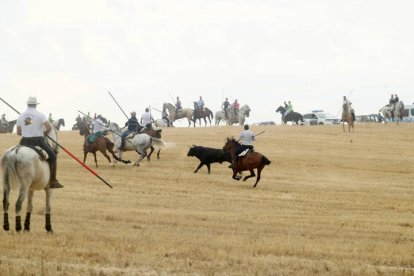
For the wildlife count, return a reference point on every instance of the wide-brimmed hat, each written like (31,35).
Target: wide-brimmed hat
(32,100)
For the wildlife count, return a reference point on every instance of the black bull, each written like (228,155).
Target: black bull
(208,156)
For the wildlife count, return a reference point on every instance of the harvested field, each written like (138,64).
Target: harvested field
(329,203)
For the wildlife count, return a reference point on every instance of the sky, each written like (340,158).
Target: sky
(70,53)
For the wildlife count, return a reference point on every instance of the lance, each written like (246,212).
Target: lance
(118,105)
(260,133)
(65,150)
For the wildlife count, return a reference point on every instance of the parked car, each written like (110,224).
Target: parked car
(319,117)
(375,118)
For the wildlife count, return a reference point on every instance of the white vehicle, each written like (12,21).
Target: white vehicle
(408,113)
(318,117)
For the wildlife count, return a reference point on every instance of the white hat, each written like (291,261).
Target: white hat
(32,100)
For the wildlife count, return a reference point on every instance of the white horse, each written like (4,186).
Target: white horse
(220,116)
(138,142)
(347,117)
(182,113)
(239,118)
(25,170)
(160,123)
(387,112)
(58,123)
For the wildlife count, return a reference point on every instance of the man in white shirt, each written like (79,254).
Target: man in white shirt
(30,126)
(146,118)
(98,125)
(246,140)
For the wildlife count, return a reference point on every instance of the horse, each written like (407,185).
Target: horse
(58,123)
(182,113)
(347,117)
(25,168)
(155,133)
(101,143)
(138,142)
(78,125)
(388,112)
(7,128)
(252,160)
(292,116)
(160,123)
(239,118)
(220,116)
(202,114)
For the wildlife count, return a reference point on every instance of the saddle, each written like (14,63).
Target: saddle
(41,152)
(245,152)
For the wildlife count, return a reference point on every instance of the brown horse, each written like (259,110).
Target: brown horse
(347,117)
(202,114)
(252,160)
(101,144)
(155,133)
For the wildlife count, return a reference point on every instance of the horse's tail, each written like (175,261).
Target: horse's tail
(265,160)
(301,118)
(8,163)
(158,142)
(211,114)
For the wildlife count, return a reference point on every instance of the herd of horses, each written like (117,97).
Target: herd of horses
(192,115)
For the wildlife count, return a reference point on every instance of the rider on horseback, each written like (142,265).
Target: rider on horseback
(348,102)
(226,106)
(236,107)
(3,120)
(30,126)
(246,137)
(178,105)
(392,103)
(200,106)
(289,109)
(133,126)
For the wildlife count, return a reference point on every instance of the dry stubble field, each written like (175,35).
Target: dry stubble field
(329,203)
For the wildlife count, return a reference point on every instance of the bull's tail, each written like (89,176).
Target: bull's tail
(265,161)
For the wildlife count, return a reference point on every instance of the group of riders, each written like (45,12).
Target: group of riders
(199,105)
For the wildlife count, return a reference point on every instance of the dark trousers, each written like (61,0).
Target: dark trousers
(41,142)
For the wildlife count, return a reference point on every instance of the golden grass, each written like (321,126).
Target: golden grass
(329,203)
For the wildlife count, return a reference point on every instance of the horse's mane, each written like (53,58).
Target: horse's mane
(233,140)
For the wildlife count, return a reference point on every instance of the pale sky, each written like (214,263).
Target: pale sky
(70,53)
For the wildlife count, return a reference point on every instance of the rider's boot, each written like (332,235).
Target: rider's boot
(54,183)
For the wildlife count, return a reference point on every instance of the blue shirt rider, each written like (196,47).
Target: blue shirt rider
(133,126)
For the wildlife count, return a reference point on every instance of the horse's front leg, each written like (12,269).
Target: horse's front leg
(6,193)
(48,224)
(235,176)
(28,211)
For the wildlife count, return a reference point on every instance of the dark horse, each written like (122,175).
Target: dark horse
(101,144)
(78,125)
(155,133)
(7,128)
(202,114)
(291,117)
(252,160)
